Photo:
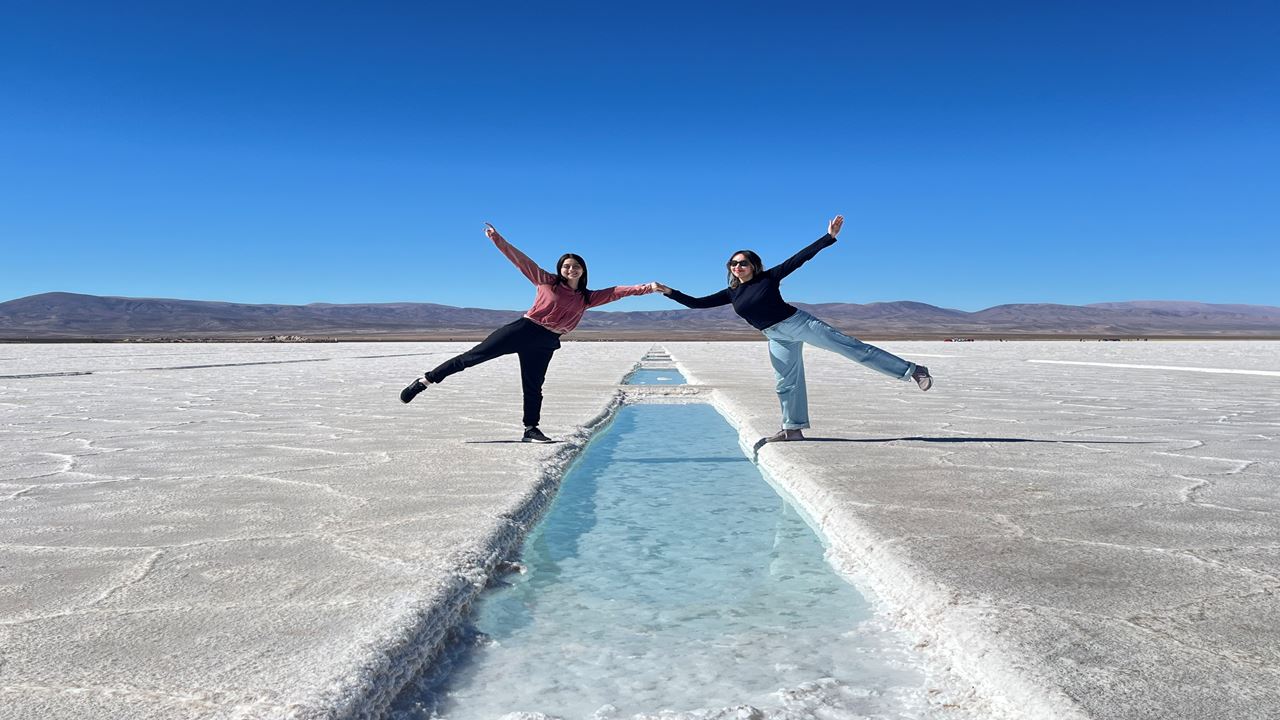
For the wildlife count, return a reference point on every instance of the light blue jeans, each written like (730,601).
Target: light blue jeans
(786,351)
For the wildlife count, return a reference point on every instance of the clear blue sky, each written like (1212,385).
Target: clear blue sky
(983,153)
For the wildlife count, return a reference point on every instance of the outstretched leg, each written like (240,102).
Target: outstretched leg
(819,334)
(523,334)
(509,338)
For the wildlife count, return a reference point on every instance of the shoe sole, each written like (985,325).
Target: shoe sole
(925,383)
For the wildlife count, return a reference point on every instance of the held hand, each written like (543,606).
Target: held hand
(833,227)
(491,232)
(659,287)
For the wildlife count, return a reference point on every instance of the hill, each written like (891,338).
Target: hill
(67,316)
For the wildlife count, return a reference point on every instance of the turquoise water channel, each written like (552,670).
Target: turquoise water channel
(651,376)
(667,575)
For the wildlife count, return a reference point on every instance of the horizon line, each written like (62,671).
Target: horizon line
(599,310)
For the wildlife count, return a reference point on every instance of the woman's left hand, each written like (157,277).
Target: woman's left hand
(833,227)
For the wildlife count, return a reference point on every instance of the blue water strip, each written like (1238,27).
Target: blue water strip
(667,575)
(654,376)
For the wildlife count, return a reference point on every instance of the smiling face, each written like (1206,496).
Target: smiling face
(572,269)
(740,268)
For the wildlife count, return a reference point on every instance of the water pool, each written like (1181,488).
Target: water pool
(652,376)
(667,575)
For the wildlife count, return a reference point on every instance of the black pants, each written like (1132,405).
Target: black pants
(533,343)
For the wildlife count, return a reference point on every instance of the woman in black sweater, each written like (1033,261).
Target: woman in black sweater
(755,296)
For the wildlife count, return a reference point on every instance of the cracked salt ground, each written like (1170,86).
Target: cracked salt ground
(253,540)
(1065,540)
(1122,555)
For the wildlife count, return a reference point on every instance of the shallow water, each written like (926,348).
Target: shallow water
(666,575)
(652,376)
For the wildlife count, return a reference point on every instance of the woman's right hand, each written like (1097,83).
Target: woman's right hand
(833,227)
(659,287)
(492,232)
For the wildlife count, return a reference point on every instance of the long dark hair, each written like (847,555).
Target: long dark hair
(582,282)
(757,265)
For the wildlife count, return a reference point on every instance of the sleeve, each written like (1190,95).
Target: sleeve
(788,266)
(714,300)
(536,275)
(609,294)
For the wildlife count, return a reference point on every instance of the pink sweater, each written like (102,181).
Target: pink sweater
(557,307)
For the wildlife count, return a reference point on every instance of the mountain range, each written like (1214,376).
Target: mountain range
(70,316)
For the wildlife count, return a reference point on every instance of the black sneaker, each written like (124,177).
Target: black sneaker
(785,435)
(533,434)
(922,377)
(412,391)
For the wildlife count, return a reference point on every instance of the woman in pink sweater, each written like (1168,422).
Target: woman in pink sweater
(562,297)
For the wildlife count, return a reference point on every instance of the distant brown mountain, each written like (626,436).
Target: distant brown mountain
(55,316)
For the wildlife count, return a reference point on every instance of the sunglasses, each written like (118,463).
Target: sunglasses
(739,263)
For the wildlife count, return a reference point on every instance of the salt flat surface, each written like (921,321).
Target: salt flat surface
(273,534)
(255,540)
(1108,534)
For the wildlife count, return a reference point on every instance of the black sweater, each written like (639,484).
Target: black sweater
(759,301)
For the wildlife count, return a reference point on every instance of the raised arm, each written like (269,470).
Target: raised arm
(788,266)
(617,292)
(536,275)
(697,303)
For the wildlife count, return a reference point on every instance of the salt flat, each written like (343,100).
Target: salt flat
(265,531)
(1088,540)
(272,534)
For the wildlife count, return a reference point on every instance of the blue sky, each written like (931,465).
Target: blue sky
(982,153)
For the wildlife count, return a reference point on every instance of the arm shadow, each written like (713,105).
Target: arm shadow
(919,438)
